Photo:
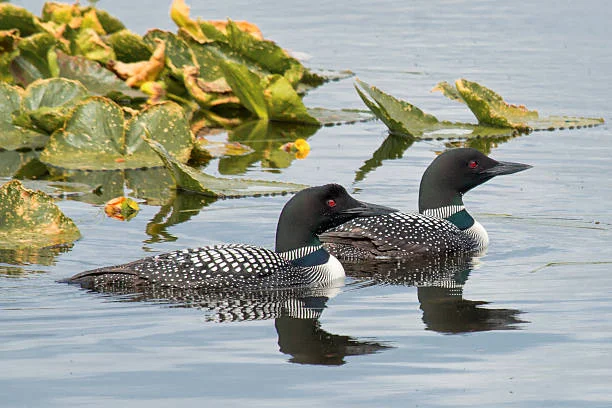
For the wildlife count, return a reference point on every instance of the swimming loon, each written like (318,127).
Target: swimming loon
(442,226)
(299,258)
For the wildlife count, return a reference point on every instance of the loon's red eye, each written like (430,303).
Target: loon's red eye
(472,164)
(331,203)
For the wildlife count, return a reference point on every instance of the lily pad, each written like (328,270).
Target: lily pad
(97,137)
(271,98)
(13,137)
(97,79)
(33,61)
(8,51)
(491,109)
(129,47)
(189,179)
(47,103)
(31,219)
(17,17)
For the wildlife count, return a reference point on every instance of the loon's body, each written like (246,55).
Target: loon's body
(299,258)
(442,226)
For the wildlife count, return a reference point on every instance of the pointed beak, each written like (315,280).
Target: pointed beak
(368,210)
(502,168)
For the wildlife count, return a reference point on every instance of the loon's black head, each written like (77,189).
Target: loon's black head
(317,209)
(457,171)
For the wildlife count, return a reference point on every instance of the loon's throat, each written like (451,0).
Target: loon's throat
(306,256)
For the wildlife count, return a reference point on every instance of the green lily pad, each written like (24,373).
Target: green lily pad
(335,117)
(188,179)
(89,44)
(47,103)
(265,53)
(31,219)
(109,23)
(271,98)
(13,137)
(491,110)
(403,118)
(497,118)
(129,47)
(97,137)
(17,17)
(36,58)
(8,51)
(178,53)
(97,79)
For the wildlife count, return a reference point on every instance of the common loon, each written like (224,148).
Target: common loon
(300,258)
(442,226)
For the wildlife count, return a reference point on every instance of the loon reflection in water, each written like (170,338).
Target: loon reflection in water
(296,313)
(439,282)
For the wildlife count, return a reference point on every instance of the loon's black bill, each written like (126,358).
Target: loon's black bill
(506,168)
(369,210)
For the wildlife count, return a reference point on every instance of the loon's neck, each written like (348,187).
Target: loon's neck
(453,211)
(307,256)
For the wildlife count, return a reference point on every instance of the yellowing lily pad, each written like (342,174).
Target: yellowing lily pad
(97,79)
(496,117)
(189,179)
(31,219)
(17,17)
(97,137)
(491,109)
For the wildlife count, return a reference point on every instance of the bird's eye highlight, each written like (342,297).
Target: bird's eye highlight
(472,164)
(331,203)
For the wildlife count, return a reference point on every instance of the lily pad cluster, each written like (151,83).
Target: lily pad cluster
(82,91)
(496,117)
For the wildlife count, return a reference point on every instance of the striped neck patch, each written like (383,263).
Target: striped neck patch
(444,212)
(299,252)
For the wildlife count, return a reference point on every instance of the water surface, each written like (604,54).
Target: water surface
(506,331)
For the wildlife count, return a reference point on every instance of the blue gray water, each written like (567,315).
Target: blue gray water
(544,335)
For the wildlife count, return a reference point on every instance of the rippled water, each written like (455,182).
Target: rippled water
(529,325)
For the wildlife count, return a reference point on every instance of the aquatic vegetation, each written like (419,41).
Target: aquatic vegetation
(496,117)
(30,219)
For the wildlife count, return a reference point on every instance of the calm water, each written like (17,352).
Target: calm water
(508,331)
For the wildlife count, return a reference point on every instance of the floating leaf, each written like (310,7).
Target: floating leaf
(272,98)
(266,54)
(109,23)
(97,79)
(178,53)
(129,47)
(17,17)
(491,109)
(121,208)
(8,51)
(220,26)
(31,219)
(137,73)
(89,44)
(97,137)
(47,103)
(33,60)
(179,12)
(332,117)
(14,137)
(189,179)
